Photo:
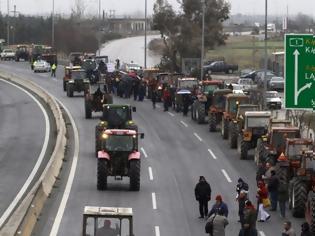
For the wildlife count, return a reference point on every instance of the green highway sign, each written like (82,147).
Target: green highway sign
(299,71)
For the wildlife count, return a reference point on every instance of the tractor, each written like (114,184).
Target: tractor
(255,126)
(201,104)
(237,124)
(96,96)
(78,83)
(22,53)
(232,102)
(150,77)
(271,145)
(114,117)
(185,86)
(217,107)
(119,157)
(107,221)
(68,75)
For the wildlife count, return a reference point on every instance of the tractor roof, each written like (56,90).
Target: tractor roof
(248,105)
(73,67)
(107,211)
(285,129)
(300,141)
(116,105)
(237,95)
(222,91)
(120,132)
(187,79)
(258,113)
(211,82)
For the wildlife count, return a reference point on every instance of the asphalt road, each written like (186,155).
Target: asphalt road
(176,150)
(22,129)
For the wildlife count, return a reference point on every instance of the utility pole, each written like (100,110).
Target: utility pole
(8,23)
(202,39)
(53,24)
(99,9)
(13,26)
(145,34)
(266,52)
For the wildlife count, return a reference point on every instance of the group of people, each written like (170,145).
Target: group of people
(268,187)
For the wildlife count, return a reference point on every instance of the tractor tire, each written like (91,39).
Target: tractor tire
(70,90)
(86,88)
(201,113)
(88,110)
(64,86)
(97,142)
(298,197)
(282,173)
(243,147)
(233,135)
(312,223)
(193,114)
(259,151)
(225,129)
(212,123)
(134,174)
(102,172)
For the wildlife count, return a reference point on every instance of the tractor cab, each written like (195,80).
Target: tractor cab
(102,221)
(233,102)
(68,75)
(117,116)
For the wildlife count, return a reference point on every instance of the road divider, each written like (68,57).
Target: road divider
(184,124)
(198,137)
(226,176)
(212,154)
(25,216)
(157,230)
(171,114)
(150,174)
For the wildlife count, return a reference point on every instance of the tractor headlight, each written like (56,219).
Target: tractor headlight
(130,122)
(104,136)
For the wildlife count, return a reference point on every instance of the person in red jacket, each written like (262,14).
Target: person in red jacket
(166,98)
(262,193)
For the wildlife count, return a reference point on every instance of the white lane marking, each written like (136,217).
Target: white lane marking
(198,137)
(154,201)
(171,114)
(150,173)
(144,152)
(158,106)
(226,176)
(184,124)
(65,197)
(38,163)
(212,154)
(157,230)
(262,233)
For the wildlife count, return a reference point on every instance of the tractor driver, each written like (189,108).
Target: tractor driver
(98,93)
(106,230)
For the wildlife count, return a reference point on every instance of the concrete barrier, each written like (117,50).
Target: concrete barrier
(25,216)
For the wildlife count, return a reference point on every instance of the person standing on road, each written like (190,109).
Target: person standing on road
(219,204)
(241,185)
(262,194)
(305,229)
(53,70)
(166,99)
(219,222)
(242,198)
(260,171)
(153,97)
(250,216)
(203,196)
(186,103)
(287,229)
(283,196)
(273,185)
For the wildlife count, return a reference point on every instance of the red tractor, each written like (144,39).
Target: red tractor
(119,157)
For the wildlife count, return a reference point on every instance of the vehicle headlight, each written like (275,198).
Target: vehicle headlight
(104,136)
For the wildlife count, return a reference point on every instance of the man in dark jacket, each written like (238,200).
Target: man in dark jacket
(242,198)
(283,195)
(305,229)
(249,226)
(203,195)
(273,186)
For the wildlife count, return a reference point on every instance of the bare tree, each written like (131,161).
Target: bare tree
(78,9)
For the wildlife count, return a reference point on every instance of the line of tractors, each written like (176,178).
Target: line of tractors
(245,126)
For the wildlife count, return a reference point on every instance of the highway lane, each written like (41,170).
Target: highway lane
(22,129)
(177,156)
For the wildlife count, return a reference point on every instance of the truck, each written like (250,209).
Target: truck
(220,66)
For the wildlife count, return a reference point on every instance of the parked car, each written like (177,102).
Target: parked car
(41,66)
(273,100)
(245,84)
(7,54)
(259,79)
(220,66)
(276,83)
(130,66)
(245,72)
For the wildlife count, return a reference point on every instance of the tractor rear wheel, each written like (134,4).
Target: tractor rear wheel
(312,205)
(244,147)
(259,151)
(193,115)
(64,86)
(134,174)
(225,129)
(97,142)
(102,172)
(201,113)
(70,90)
(88,110)
(282,173)
(233,135)
(212,122)
(298,197)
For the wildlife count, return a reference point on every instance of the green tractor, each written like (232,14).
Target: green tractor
(78,83)
(107,221)
(114,117)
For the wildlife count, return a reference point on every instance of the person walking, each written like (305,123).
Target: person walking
(283,195)
(262,195)
(273,185)
(203,196)
(166,99)
(250,216)
(219,222)
(287,229)
(153,98)
(242,198)
(186,103)
(241,185)
(53,70)
(305,229)
(219,204)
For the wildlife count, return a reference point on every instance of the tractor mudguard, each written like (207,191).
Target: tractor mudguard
(103,155)
(134,156)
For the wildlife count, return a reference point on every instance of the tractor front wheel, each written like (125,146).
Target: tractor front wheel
(134,174)
(244,147)
(201,110)
(212,122)
(88,110)
(298,197)
(225,128)
(102,173)
(233,135)
(70,90)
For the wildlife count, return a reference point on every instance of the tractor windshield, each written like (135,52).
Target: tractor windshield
(116,116)
(297,149)
(189,84)
(279,138)
(78,75)
(107,226)
(121,143)
(254,122)
(208,89)
(233,106)
(219,101)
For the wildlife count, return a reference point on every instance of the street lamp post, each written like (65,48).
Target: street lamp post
(8,23)
(145,34)
(53,24)
(266,52)
(202,38)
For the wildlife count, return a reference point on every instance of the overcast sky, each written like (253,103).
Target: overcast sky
(41,7)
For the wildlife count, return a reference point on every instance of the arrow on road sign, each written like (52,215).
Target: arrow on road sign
(296,73)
